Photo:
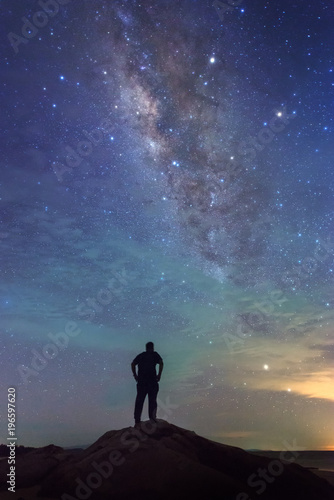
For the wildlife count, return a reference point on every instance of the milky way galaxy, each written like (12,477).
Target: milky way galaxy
(167,175)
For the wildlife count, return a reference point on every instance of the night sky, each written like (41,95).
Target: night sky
(167,176)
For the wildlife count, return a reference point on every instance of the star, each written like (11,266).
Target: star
(167,149)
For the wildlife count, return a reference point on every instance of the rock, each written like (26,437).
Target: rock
(161,461)
(32,466)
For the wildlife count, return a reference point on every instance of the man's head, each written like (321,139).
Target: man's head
(149,346)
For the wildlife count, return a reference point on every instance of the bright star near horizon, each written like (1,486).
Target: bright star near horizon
(265,367)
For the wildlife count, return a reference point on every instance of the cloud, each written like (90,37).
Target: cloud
(237,434)
(327,350)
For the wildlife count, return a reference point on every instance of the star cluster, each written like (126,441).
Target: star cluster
(167,175)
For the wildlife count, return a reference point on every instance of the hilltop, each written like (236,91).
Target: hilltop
(161,461)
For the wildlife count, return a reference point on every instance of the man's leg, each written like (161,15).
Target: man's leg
(152,400)
(141,395)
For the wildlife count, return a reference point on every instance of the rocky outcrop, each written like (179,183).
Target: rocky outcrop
(161,461)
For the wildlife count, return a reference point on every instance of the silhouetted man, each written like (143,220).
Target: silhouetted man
(147,381)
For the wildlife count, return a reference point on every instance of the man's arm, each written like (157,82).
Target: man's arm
(161,367)
(133,368)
